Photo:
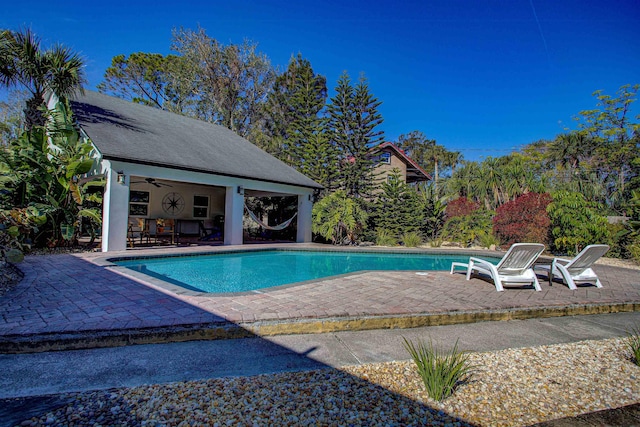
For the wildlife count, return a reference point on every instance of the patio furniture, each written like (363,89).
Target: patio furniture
(514,267)
(212,229)
(162,227)
(578,269)
(137,229)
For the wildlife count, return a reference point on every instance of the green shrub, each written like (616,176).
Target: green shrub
(487,239)
(435,243)
(411,239)
(621,241)
(634,250)
(45,169)
(384,238)
(466,229)
(633,343)
(339,218)
(440,372)
(575,222)
(16,227)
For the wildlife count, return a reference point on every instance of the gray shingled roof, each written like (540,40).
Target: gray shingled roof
(122,130)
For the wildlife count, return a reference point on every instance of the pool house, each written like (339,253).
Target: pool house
(170,175)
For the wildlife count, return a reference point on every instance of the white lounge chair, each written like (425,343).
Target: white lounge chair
(514,267)
(577,270)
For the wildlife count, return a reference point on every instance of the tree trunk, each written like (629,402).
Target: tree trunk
(436,176)
(33,114)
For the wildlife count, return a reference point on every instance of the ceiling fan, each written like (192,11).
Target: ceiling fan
(153,181)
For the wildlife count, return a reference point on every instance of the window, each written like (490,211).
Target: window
(385,158)
(201,206)
(138,203)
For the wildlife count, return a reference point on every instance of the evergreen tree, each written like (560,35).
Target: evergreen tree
(279,112)
(297,124)
(353,119)
(397,208)
(433,211)
(311,146)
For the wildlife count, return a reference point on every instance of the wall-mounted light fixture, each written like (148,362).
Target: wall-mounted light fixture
(121,177)
(240,189)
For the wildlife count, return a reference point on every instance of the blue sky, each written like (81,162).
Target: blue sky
(480,76)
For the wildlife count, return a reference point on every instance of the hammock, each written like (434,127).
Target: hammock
(270,227)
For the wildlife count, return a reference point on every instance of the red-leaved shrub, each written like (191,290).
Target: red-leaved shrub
(523,220)
(460,207)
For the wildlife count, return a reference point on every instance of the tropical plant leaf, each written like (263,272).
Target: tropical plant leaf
(93,214)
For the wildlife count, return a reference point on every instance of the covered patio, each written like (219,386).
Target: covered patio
(167,212)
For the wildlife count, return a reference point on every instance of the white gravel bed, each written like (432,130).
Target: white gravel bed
(513,387)
(517,387)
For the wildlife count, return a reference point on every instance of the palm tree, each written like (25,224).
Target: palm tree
(24,63)
(490,185)
(464,181)
(569,150)
(454,158)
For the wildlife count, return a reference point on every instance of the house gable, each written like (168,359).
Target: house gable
(387,156)
(125,131)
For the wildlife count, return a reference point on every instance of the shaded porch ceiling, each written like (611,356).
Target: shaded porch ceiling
(143,182)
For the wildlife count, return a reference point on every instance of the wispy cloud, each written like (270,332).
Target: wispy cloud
(544,40)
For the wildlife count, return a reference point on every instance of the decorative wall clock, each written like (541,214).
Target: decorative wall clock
(172,203)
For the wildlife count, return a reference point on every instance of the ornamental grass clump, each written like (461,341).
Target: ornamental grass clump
(411,239)
(633,343)
(441,372)
(384,238)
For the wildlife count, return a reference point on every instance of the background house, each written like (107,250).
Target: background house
(387,157)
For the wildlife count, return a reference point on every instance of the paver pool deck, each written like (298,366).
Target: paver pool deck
(82,301)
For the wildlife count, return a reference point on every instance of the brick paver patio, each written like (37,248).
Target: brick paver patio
(75,293)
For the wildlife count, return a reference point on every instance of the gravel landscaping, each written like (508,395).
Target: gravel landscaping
(513,387)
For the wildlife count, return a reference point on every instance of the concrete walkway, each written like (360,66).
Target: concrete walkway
(93,369)
(35,383)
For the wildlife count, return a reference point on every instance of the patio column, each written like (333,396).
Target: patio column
(233,213)
(305,205)
(115,212)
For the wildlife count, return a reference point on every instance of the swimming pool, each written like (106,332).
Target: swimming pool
(253,270)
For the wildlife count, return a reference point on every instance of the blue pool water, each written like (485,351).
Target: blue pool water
(247,271)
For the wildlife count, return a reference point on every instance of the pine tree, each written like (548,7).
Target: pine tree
(311,149)
(397,209)
(280,113)
(298,126)
(353,119)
